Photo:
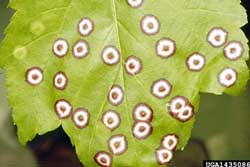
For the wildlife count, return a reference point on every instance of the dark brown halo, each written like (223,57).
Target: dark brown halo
(118,114)
(27,73)
(66,84)
(59,39)
(126,141)
(152,86)
(79,110)
(106,153)
(162,39)
(140,62)
(66,101)
(143,104)
(81,41)
(218,77)
(145,137)
(150,15)
(214,28)
(79,25)
(157,158)
(116,104)
(110,46)
(171,134)
(191,56)
(242,52)
(136,6)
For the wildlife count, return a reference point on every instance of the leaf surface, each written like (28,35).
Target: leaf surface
(37,24)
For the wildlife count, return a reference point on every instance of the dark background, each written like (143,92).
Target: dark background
(221,130)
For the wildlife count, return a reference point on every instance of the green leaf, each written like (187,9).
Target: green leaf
(36,26)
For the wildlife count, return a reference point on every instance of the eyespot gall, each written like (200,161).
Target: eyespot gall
(85,26)
(60,47)
(150,24)
(34,76)
(165,47)
(163,156)
(227,77)
(133,65)
(63,108)
(110,55)
(233,50)
(142,130)
(111,119)
(169,141)
(118,144)
(135,3)
(161,88)
(104,159)
(143,112)
(81,49)
(217,37)
(81,117)
(60,80)
(196,62)
(116,95)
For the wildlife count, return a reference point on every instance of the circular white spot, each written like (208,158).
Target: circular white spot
(217,37)
(60,80)
(80,49)
(161,88)
(110,55)
(165,48)
(63,108)
(150,25)
(81,117)
(133,65)
(115,95)
(186,114)
(85,26)
(141,130)
(227,77)
(103,159)
(34,76)
(177,104)
(163,156)
(135,3)
(111,119)
(170,142)
(60,47)
(196,62)
(233,50)
(143,112)
(118,144)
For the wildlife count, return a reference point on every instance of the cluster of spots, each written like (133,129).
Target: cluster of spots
(164,154)
(217,37)
(142,115)
(180,108)
(34,76)
(117,145)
